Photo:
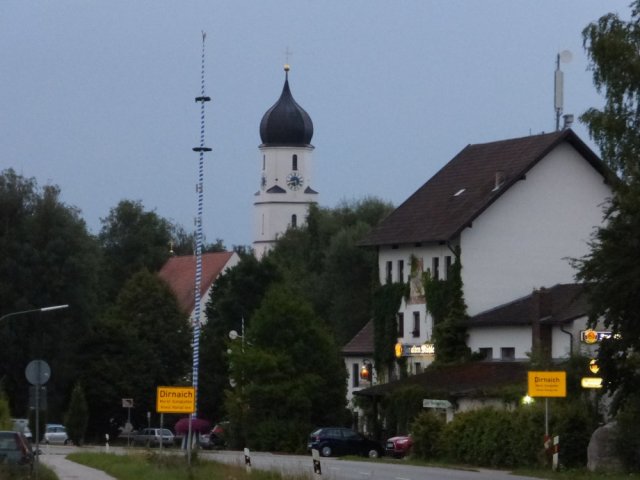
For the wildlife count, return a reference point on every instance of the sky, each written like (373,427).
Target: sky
(97,97)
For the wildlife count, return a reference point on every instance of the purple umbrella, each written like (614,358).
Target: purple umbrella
(199,425)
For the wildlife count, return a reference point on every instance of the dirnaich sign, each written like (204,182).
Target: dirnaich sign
(176,400)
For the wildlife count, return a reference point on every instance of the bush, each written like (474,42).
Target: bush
(425,432)
(495,438)
(628,440)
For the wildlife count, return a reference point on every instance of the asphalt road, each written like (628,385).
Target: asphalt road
(332,468)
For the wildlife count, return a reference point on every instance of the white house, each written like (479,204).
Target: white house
(518,209)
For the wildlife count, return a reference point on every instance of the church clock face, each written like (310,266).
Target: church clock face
(295,181)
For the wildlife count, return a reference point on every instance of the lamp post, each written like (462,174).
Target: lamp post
(43,309)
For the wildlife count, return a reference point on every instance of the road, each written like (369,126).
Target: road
(332,468)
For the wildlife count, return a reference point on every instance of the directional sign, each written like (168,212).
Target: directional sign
(176,400)
(432,403)
(547,384)
(591,382)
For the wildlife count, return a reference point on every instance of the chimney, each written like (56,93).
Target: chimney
(568,121)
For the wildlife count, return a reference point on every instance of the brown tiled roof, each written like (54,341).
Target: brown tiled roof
(434,213)
(475,379)
(179,272)
(361,343)
(565,302)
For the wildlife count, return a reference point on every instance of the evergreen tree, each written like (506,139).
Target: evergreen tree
(77,417)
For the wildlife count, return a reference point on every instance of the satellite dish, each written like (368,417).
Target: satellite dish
(565,56)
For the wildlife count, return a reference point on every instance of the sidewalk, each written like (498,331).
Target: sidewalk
(68,470)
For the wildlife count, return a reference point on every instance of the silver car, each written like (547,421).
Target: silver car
(153,436)
(55,433)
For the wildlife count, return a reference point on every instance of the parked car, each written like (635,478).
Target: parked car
(342,441)
(16,450)
(399,446)
(153,437)
(55,433)
(215,439)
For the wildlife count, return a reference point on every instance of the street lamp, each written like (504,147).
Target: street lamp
(43,309)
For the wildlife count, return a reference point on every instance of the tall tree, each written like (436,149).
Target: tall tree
(234,297)
(48,258)
(611,270)
(289,374)
(141,343)
(132,239)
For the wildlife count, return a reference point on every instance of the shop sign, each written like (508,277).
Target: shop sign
(591,337)
(407,350)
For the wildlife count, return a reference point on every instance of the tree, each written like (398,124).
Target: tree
(235,296)
(141,343)
(611,271)
(77,417)
(289,375)
(132,239)
(48,258)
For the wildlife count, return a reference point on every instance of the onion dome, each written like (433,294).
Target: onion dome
(286,123)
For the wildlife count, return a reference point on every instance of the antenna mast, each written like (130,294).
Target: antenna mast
(202,99)
(558,85)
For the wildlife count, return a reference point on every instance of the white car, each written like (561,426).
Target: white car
(55,433)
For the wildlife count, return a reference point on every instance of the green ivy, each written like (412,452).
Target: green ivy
(386,302)
(445,303)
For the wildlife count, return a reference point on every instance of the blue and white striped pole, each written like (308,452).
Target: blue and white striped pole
(198,278)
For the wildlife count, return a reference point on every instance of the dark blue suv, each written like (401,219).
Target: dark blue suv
(342,441)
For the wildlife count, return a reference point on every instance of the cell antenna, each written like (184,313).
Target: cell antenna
(201,150)
(558,85)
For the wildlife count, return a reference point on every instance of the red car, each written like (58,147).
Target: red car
(399,446)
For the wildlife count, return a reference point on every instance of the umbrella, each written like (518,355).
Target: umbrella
(199,425)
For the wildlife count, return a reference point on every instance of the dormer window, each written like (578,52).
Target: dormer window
(294,162)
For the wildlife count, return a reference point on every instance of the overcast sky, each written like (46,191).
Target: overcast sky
(97,97)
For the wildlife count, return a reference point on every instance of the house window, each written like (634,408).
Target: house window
(401,270)
(400,324)
(487,353)
(294,162)
(417,368)
(355,375)
(435,268)
(508,353)
(447,266)
(294,221)
(389,272)
(416,324)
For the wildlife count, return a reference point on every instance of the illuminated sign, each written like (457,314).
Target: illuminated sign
(176,400)
(594,336)
(591,382)
(406,350)
(547,384)
(593,366)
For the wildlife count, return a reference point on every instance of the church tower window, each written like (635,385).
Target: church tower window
(294,162)
(294,221)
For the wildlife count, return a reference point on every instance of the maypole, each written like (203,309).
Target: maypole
(202,99)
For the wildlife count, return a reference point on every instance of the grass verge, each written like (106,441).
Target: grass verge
(152,466)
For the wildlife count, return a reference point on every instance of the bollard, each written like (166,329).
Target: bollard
(315,455)
(247,460)
(556,452)
(106,445)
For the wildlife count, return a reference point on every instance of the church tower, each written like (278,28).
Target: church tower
(285,193)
